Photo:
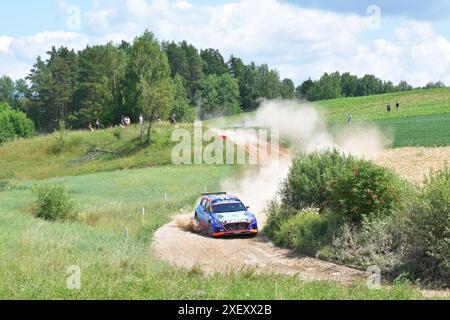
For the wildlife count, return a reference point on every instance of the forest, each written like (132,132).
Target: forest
(158,80)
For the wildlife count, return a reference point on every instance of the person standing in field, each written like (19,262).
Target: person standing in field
(350,118)
(397,105)
(388,107)
(173,119)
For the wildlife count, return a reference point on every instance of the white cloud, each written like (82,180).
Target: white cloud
(182,5)
(138,8)
(299,42)
(98,21)
(5,42)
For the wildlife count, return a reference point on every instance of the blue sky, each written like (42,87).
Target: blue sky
(302,38)
(24,17)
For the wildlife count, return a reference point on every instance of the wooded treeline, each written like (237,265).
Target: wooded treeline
(106,82)
(157,80)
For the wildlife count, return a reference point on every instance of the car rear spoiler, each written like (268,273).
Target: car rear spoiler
(214,194)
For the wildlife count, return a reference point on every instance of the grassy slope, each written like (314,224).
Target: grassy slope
(35,254)
(423,119)
(425,131)
(37,158)
(413,103)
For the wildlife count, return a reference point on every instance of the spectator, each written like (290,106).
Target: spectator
(97,124)
(388,107)
(173,119)
(397,105)
(141,120)
(350,118)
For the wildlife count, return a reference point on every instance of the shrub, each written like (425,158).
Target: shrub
(363,189)
(117,133)
(428,232)
(54,203)
(306,231)
(377,242)
(63,141)
(343,184)
(306,184)
(14,124)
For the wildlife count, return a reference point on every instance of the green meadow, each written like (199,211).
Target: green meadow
(111,177)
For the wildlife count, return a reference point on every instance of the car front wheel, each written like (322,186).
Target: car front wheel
(210,230)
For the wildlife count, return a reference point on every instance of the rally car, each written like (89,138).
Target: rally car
(221,215)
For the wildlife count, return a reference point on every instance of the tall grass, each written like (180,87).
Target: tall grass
(82,152)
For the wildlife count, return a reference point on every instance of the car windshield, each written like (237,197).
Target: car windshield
(229,207)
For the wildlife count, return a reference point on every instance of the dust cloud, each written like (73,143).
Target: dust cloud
(187,223)
(305,130)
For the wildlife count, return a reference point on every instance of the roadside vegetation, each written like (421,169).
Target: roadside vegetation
(355,213)
(36,252)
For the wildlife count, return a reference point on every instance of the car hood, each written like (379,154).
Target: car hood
(235,217)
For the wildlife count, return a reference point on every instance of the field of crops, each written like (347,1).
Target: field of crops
(371,108)
(425,131)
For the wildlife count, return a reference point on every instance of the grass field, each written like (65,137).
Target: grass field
(35,254)
(372,108)
(423,118)
(112,177)
(424,131)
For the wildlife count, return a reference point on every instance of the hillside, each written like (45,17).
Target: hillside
(84,152)
(423,118)
(372,108)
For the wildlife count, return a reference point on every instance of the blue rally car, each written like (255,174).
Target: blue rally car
(220,215)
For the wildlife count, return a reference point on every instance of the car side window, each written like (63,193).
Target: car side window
(206,206)
(204,203)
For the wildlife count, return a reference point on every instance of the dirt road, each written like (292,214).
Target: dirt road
(179,244)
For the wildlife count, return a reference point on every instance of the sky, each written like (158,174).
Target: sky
(395,40)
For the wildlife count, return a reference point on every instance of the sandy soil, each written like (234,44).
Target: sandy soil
(179,244)
(414,163)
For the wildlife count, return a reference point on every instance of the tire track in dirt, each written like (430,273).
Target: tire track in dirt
(185,248)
